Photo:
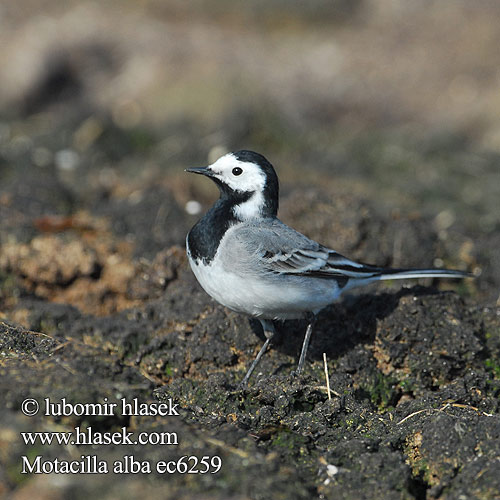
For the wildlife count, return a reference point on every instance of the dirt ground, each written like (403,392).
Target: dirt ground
(382,122)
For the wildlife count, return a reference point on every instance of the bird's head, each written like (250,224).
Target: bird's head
(248,181)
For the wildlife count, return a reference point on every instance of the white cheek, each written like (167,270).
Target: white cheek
(252,178)
(232,182)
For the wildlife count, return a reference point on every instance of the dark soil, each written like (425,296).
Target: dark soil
(414,376)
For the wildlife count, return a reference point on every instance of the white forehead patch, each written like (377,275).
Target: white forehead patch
(252,177)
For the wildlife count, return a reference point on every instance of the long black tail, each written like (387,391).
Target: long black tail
(379,274)
(399,274)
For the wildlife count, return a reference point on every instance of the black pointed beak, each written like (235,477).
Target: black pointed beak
(200,170)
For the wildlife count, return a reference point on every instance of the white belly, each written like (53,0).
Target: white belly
(267,297)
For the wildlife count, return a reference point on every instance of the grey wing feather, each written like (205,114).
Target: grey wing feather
(283,250)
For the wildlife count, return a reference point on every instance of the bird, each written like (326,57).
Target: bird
(251,262)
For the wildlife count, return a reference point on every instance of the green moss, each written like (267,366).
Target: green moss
(493,366)
(350,423)
(421,469)
(288,440)
(382,392)
(407,386)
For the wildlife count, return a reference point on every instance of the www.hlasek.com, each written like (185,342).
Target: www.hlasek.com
(91,464)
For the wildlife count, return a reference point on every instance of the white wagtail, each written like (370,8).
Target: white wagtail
(251,262)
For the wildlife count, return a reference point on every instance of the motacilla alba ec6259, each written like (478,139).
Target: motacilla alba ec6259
(251,262)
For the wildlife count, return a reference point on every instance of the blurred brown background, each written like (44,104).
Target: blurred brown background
(396,101)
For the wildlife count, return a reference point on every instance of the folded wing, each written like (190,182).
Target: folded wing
(282,250)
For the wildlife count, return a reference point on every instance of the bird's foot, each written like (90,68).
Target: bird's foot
(242,386)
(296,373)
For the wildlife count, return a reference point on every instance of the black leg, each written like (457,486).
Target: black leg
(269,332)
(311,320)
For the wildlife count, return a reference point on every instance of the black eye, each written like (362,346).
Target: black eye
(237,171)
